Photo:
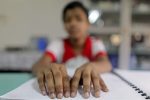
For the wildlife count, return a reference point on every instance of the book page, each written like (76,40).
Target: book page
(140,78)
(118,90)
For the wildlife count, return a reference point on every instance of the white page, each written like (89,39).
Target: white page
(118,90)
(140,78)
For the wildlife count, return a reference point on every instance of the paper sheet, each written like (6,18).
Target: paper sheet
(118,90)
(140,78)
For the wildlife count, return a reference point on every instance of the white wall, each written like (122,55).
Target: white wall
(21,19)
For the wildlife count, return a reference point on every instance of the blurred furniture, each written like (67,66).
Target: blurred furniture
(124,18)
(18,60)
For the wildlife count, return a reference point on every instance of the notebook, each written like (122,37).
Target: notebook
(118,90)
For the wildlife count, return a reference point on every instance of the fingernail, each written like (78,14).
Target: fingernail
(86,94)
(97,94)
(67,94)
(59,95)
(73,94)
(52,96)
(44,93)
(106,89)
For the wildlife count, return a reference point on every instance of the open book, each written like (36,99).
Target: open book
(138,80)
(118,90)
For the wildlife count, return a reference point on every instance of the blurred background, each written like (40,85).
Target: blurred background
(27,26)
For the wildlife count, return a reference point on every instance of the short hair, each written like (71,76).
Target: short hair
(72,5)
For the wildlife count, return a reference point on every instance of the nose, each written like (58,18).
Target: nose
(73,22)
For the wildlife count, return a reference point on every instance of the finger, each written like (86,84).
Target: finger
(58,82)
(40,78)
(66,82)
(50,84)
(86,83)
(81,82)
(103,85)
(75,82)
(96,85)
(66,86)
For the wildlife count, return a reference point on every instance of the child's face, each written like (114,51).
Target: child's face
(76,23)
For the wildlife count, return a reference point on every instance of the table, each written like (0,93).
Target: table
(10,81)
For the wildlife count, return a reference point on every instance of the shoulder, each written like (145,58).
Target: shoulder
(98,46)
(57,43)
(96,41)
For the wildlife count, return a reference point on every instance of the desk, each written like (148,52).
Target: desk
(10,81)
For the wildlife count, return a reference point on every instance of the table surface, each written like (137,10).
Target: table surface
(10,81)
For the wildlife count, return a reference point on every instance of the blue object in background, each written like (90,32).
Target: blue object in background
(114,60)
(42,43)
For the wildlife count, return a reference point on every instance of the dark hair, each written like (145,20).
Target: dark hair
(72,5)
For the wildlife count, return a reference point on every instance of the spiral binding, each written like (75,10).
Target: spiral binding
(141,92)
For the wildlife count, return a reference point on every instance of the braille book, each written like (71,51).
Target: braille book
(122,85)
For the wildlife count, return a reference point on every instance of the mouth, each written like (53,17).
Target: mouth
(74,30)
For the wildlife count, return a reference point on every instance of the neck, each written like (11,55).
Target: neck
(78,42)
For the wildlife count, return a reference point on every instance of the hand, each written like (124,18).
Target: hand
(53,79)
(89,74)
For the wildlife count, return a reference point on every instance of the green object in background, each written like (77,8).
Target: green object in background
(10,81)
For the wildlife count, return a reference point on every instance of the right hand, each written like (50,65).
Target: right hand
(53,79)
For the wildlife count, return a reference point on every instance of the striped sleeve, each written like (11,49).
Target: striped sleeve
(98,49)
(55,50)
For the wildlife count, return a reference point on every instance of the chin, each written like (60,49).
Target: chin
(75,35)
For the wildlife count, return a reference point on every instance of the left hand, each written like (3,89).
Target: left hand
(88,72)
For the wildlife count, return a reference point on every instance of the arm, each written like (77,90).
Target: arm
(90,73)
(42,62)
(102,64)
(53,76)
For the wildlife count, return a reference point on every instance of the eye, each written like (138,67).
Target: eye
(67,19)
(79,18)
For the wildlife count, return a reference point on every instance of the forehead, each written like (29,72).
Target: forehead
(74,12)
